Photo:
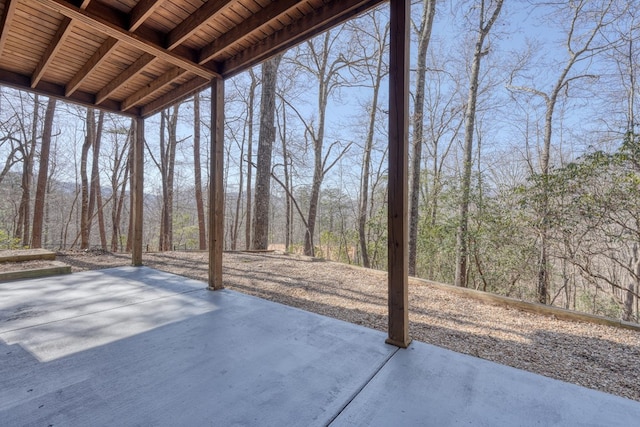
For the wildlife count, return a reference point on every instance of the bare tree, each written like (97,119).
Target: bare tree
(8,140)
(43,174)
(250,114)
(444,118)
(95,196)
(375,72)
(286,166)
(424,36)
(27,150)
(120,171)
(586,19)
(166,166)
(265,148)
(630,60)
(85,221)
(486,19)
(129,245)
(321,61)
(197,171)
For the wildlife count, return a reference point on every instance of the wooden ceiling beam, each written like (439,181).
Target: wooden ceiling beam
(141,12)
(58,40)
(174,39)
(6,20)
(254,22)
(22,82)
(152,87)
(190,25)
(141,63)
(330,15)
(109,22)
(94,62)
(176,95)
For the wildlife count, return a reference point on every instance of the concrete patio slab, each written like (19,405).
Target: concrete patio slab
(427,385)
(136,346)
(162,350)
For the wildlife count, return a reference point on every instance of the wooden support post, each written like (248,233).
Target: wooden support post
(397,244)
(216,189)
(138,192)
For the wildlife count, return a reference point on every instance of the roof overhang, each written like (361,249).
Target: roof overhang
(136,57)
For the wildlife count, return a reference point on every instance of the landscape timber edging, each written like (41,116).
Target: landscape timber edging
(55,269)
(20,255)
(532,307)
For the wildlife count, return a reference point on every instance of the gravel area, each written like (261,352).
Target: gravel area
(600,357)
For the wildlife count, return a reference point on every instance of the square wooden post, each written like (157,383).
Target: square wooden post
(138,192)
(397,241)
(216,188)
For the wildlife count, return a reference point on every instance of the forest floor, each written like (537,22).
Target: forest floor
(601,357)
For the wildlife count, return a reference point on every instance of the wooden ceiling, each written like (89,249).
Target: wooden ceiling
(137,57)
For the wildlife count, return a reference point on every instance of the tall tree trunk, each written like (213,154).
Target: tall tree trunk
(462,237)
(318,143)
(287,182)
(173,143)
(168,146)
(265,148)
(250,107)
(634,283)
(48,225)
(309,247)
(634,286)
(162,239)
(95,193)
(119,181)
(363,207)
(236,217)
(28,150)
(85,219)
(129,246)
(202,232)
(424,37)
(43,175)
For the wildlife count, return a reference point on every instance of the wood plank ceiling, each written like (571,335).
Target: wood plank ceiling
(137,57)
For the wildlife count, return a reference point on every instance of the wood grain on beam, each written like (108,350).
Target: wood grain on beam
(397,229)
(113,27)
(254,22)
(216,187)
(94,62)
(176,95)
(141,12)
(152,87)
(56,44)
(141,63)
(190,25)
(330,15)
(23,82)
(6,20)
